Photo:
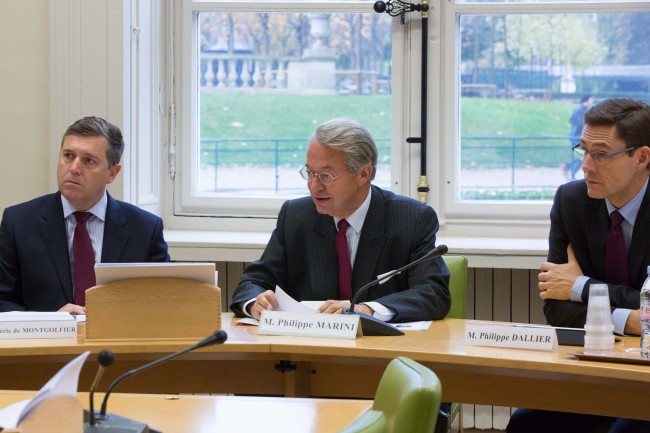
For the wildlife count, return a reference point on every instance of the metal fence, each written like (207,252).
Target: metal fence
(505,156)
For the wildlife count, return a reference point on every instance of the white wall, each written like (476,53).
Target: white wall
(24,100)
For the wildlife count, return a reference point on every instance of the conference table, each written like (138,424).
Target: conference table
(252,364)
(209,414)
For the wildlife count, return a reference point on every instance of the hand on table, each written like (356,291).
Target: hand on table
(333,306)
(263,301)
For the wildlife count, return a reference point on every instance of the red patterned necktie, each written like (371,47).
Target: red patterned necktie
(84,258)
(345,265)
(616,252)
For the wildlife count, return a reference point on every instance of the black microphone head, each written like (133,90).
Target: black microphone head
(217,337)
(105,358)
(380,7)
(442,249)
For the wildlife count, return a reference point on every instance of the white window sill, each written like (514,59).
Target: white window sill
(239,246)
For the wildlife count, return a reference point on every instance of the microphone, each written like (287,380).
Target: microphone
(108,423)
(105,359)
(373,326)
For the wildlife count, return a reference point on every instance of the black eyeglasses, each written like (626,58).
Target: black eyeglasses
(324,177)
(598,156)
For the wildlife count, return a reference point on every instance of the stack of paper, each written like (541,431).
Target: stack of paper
(63,383)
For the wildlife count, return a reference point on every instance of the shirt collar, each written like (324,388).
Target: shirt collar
(631,209)
(358,216)
(98,210)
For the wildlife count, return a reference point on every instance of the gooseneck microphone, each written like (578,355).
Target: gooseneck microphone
(373,326)
(107,423)
(105,358)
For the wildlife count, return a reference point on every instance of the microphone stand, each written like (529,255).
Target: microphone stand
(105,359)
(109,423)
(373,326)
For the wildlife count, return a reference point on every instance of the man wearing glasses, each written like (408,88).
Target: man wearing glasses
(600,233)
(327,246)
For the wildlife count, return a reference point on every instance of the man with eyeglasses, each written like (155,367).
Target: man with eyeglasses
(600,233)
(327,246)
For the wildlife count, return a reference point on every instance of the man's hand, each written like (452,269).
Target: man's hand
(633,323)
(336,307)
(72,308)
(556,280)
(263,301)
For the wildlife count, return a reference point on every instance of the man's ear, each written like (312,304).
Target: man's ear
(644,156)
(365,174)
(112,173)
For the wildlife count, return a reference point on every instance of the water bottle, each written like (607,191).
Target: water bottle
(645,317)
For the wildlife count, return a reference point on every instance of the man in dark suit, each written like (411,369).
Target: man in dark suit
(384,232)
(615,149)
(37,237)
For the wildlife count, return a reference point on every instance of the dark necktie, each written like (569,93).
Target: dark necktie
(84,258)
(345,265)
(616,252)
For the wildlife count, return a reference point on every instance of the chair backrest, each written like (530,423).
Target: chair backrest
(457,266)
(407,401)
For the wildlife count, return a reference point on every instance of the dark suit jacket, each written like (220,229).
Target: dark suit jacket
(34,260)
(583,222)
(301,258)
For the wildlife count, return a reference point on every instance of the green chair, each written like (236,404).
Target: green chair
(407,401)
(457,266)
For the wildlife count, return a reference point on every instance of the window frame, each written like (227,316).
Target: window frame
(498,218)
(187,211)
(494,219)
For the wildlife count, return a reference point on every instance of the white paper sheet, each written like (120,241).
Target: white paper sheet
(64,382)
(290,305)
(28,316)
(107,272)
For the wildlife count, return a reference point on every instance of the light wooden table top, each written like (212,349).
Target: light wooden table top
(248,364)
(209,414)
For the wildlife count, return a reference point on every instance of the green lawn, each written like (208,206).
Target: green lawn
(295,116)
(240,117)
(288,116)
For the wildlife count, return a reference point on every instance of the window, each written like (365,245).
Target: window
(258,78)
(520,75)
(254,79)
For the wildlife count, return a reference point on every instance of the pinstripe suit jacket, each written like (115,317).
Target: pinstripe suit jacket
(301,258)
(34,260)
(583,222)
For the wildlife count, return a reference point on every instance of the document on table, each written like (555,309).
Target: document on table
(285,303)
(290,305)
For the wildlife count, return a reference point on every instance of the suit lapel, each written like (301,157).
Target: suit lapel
(639,244)
(115,236)
(320,237)
(371,243)
(597,228)
(51,226)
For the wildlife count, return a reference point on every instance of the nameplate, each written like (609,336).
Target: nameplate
(309,325)
(514,337)
(19,324)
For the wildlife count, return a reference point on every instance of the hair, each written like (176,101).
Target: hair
(585,98)
(97,127)
(630,117)
(351,139)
